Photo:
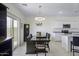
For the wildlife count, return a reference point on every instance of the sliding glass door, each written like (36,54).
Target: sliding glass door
(12,30)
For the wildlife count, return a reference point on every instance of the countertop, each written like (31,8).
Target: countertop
(4,39)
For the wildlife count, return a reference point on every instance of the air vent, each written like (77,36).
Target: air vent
(24,4)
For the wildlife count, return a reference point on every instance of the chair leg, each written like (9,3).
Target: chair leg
(45,54)
(37,54)
(73,54)
(73,51)
(71,47)
(48,47)
(45,50)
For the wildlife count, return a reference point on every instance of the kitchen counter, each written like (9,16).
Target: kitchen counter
(6,46)
(65,39)
(4,39)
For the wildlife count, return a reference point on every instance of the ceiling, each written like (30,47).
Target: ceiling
(48,9)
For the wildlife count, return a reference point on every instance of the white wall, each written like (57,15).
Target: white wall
(52,23)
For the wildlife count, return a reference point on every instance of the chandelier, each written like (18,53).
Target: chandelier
(39,18)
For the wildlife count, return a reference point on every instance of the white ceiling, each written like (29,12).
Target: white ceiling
(49,9)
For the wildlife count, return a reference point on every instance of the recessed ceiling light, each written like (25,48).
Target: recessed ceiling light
(60,12)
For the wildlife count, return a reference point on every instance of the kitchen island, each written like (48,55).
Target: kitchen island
(66,41)
(6,46)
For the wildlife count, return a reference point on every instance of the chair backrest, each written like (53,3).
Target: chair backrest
(38,33)
(76,41)
(48,35)
(29,37)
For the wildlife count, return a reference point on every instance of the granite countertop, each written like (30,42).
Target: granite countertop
(7,38)
(70,35)
(4,39)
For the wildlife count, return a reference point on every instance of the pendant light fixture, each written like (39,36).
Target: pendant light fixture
(39,18)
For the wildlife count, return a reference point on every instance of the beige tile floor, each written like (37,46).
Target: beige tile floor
(55,50)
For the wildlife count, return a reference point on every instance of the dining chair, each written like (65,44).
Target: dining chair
(75,44)
(47,43)
(40,47)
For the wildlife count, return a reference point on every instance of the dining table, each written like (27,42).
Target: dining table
(30,44)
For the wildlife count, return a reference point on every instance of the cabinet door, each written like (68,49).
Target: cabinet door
(3,22)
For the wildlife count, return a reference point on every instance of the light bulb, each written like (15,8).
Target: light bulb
(39,18)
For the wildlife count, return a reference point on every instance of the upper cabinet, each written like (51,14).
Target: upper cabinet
(3,21)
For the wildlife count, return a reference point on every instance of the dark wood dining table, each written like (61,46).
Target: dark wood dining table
(30,44)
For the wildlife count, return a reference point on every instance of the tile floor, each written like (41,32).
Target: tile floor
(55,50)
